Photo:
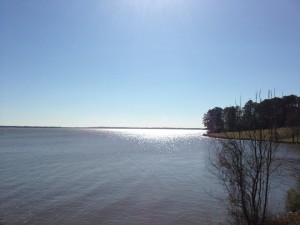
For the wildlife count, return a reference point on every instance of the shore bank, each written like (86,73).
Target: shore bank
(283,135)
(289,219)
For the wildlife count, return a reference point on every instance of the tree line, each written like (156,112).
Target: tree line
(266,114)
(245,163)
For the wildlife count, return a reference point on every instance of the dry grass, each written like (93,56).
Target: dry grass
(284,135)
(290,219)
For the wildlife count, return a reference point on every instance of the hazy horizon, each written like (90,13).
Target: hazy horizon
(151,63)
(105,127)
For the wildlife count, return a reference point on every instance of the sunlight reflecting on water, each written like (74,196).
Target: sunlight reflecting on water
(112,176)
(156,135)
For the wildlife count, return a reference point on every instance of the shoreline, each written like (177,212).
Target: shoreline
(244,135)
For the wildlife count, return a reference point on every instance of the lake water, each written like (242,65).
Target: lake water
(113,176)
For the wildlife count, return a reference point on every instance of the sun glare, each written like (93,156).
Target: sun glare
(154,6)
(154,134)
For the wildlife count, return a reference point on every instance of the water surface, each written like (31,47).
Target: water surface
(111,176)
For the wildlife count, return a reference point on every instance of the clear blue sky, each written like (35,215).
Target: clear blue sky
(142,62)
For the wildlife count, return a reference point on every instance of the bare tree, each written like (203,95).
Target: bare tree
(244,164)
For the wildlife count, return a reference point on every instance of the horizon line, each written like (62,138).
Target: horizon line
(108,127)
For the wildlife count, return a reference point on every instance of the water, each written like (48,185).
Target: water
(111,176)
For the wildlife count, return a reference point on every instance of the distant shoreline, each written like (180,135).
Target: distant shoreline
(145,128)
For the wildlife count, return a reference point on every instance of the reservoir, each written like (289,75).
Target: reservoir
(116,176)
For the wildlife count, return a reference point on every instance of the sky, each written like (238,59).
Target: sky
(142,63)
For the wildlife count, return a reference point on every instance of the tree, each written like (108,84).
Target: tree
(293,122)
(230,117)
(213,119)
(283,112)
(292,110)
(250,115)
(244,169)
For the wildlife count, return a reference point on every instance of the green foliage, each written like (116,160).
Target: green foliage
(292,198)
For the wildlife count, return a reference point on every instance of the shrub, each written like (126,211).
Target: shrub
(292,198)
